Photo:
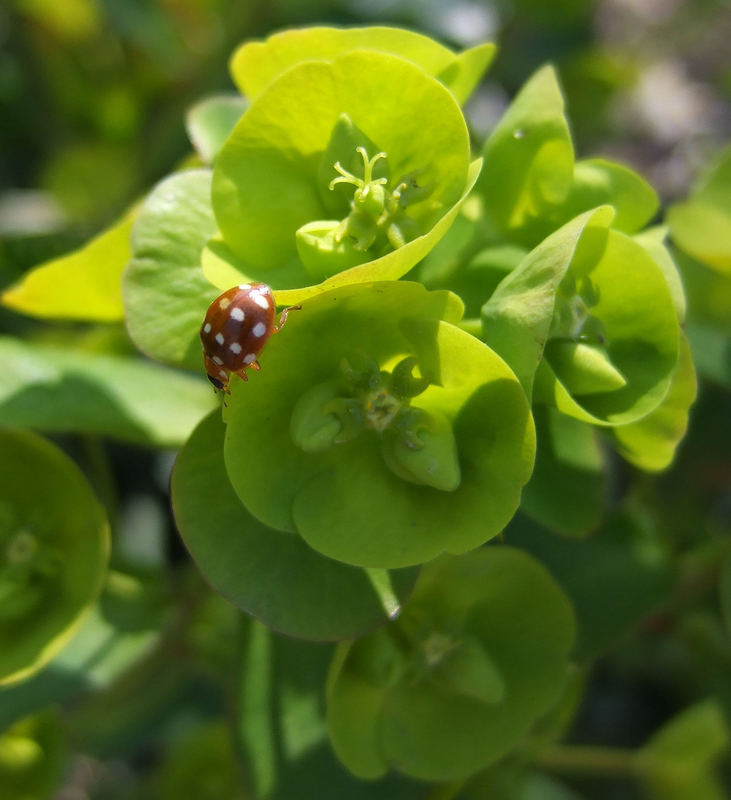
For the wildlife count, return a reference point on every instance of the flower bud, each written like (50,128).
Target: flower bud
(322,418)
(321,253)
(583,368)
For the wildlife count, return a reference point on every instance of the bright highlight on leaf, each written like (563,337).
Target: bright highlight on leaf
(255,64)
(84,285)
(268,178)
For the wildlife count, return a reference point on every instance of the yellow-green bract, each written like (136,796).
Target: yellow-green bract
(346,501)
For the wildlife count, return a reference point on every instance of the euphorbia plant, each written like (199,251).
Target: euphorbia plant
(359,486)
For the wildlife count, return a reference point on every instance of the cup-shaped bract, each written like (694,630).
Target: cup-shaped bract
(330,159)
(378,430)
(53,551)
(255,64)
(270,574)
(701,225)
(530,183)
(589,323)
(480,652)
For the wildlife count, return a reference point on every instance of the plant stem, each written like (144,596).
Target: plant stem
(583,760)
(101,475)
(381,581)
(447,791)
(472,325)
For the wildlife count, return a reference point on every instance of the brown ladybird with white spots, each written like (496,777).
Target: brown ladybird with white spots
(235,330)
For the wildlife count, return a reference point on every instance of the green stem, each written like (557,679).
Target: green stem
(381,581)
(583,760)
(447,791)
(101,475)
(472,325)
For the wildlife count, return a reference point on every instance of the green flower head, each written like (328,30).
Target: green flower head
(378,431)
(327,175)
(480,652)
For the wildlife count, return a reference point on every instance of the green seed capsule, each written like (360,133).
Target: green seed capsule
(426,454)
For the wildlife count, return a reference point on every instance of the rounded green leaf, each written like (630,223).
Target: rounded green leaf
(346,501)
(495,615)
(679,759)
(54,541)
(272,575)
(210,121)
(702,230)
(166,294)
(529,158)
(653,240)
(598,182)
(267,179)
(255,64)
(55,389)
(516,320)
(702,225)
(530,183)
(640,336)
(650,443)
(83,285)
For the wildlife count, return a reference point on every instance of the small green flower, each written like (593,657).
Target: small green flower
(478,654)
(379,431)
(329,176)
(589,323)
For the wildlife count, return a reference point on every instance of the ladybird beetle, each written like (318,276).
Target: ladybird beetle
(235,329)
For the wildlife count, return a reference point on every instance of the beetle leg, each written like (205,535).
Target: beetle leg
(283,317)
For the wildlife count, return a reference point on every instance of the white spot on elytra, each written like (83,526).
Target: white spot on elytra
(224,303)
(217,360)
(223,374)
(244,286)
(207,327)
(219,337)
(259,330)
(237,314)
(235,347)
(249,357)
(262,302)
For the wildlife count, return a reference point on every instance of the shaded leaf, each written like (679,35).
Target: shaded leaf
(54,537)
(57,389)
(210,121)
(270,574)
(166,294)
